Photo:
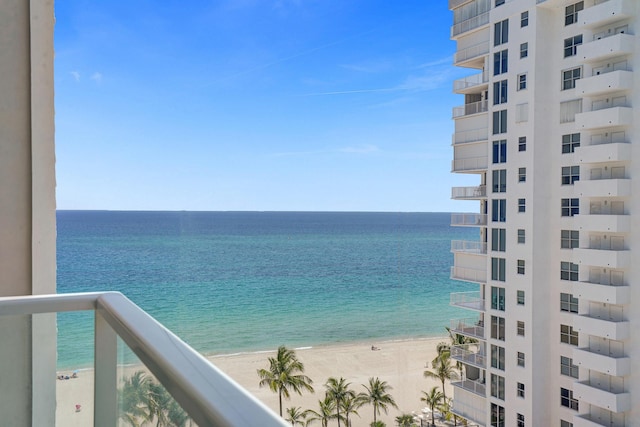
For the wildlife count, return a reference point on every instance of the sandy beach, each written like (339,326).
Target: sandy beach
(400,363)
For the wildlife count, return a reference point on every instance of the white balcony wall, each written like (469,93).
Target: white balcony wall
(601,327)
(601,293)
(606,13)
(615,402)
(602,257)
(612,152)
(603,188)
(607,47)
(615,81)
(588,420)
(470,157)
(616,366)
(607,117)
(470,406)
(611,223)
(471,84)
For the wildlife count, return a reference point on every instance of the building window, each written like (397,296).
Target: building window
(498,239)
(524,19)
(568,335)
(569,207)
(568,368)
(520,328)
(569,78)
(522,174)
(501,32)
(564,423)
(566,399)
(524,50)
(498,269)
(520,359)
(521,392)
(499,2)
(522,112)
(497,357)
(497,298)
(569,239)
(522,204)
(568,271)
(497,386)
(521,235)
(499,181)
(520,266)
(500,92)
(499,210)
(570,174)
(569,109)
(500,151)
(570,142)
(522,81)
(571,13)
(497,328)
(568,303)
(500,62)
(522,143)
(497,414)
(571,45)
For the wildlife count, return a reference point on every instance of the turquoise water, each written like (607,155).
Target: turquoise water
(227,282)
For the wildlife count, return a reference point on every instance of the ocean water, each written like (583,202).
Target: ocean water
(229,282)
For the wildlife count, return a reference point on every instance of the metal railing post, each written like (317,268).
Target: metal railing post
(105,412)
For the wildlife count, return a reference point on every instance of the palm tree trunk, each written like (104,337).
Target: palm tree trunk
(338,410)
(280,400)
(444,393)
(374,412)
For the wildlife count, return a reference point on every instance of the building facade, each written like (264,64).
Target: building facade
(547,125)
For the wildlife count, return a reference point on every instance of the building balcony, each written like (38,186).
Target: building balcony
(603,398)
(614,330)
(603,188)
(607,152)
(470,164)
(605,363)
(610,223)
(470,24)
(475,387)
(471,108)
(471,84)
(470,300)
(466,274)
(470,354)
(469,406)
(607,47)
(608,294)
(469,193)
(606,117)
(601,84)
(453,4)
(471,327)
(602,257)
(468,136)
(472,56)
(207,395)
(468,219)
(606,13)
(588,420)
(473,247)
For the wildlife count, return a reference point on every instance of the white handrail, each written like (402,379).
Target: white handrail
(210,397)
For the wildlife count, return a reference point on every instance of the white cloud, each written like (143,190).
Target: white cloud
(360,149)
(76,75)
(97,77)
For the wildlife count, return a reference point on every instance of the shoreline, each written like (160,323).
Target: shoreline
(400,362)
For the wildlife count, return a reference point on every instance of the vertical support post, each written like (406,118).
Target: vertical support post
(105,412)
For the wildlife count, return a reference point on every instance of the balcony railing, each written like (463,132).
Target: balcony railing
(470,354)
(472,300)
(469,274)
(472,327)
(471,52)
(457,3)
(469,246)
(474,135)
(208,396)
(471,108)
(468,219)
(470,81)
(476,387)
(470,24)
(476,192)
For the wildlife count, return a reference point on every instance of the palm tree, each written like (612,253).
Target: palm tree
(284,373)
(405,420)
(296,416)
(442,370)
(338,390)
(433,398)
(378,396)
(159,400)
(377,424)
(325,414)
(349,405)
(134,396)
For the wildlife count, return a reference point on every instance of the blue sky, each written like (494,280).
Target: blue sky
(321,105)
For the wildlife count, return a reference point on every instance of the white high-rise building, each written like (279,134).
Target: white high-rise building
(548,126)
